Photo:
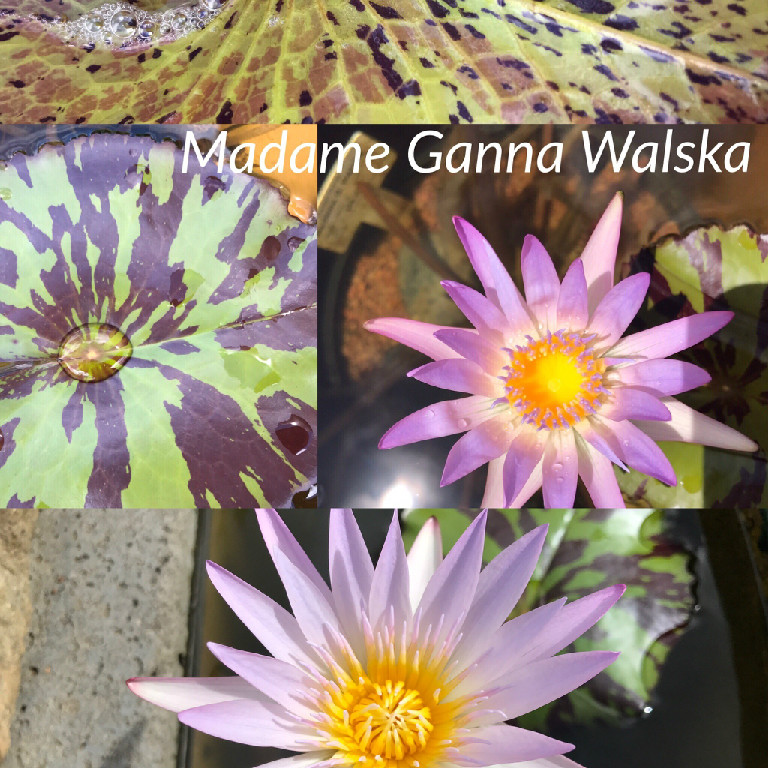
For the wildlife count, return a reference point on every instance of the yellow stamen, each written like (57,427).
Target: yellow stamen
(386,724)
(390,721)
(555,381)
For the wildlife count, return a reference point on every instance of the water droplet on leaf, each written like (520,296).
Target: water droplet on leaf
(94,352)
(305,499)
(124,24)
(271,248)
(295,434)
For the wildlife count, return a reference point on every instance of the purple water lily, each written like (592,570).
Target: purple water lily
(556,393)
(410,664)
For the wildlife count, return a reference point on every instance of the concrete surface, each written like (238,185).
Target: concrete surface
(16,529)
(110,594)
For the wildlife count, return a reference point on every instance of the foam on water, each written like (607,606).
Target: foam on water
(121,25)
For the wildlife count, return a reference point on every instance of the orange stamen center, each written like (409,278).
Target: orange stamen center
(556,381)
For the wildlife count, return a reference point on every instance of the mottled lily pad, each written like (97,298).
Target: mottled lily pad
(197,288)
(587,550)
(710,269)
(410,61)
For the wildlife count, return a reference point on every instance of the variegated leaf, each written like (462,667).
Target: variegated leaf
(214,285)
(713,268)
(406,61)
(587,550)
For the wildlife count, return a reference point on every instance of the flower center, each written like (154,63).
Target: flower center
(556,381)
(94,352)
(390,721)
(383,725)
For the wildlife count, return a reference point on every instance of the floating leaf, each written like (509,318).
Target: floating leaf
(200,283)
(713,268)
(587,550)
(408,61)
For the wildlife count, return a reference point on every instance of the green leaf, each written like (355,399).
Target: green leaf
(713,268)
(213,283)
(587,550)
(411,61)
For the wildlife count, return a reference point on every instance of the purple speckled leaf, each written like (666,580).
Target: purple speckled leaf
(213,287)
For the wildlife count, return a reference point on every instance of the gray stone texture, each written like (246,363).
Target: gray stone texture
(110,595)
(16,529)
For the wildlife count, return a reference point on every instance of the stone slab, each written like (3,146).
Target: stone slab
(110,595)
(16,529)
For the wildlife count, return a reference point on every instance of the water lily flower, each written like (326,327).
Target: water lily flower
(410,664)
(556,393)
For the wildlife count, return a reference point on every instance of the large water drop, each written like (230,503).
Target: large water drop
(94,352)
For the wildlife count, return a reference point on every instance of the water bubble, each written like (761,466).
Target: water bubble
(295,434)
(430,414)
(93,25)
(557,467)
(124,24)
(120,24)
(178,20)
(147,29)
(463,423)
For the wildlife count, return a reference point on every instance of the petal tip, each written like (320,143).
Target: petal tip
(387,441)
(459,222)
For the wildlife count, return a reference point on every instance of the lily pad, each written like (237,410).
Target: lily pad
(414,61)
(587,550)
(712,268)
(191,379)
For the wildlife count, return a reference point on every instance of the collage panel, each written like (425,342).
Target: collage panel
(357,61)
(158,342)
(581,309)
(435,657)
(383,384)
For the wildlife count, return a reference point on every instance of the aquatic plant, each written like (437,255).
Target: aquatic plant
(410,663)
(556,393)
(157,332)
(414,61)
